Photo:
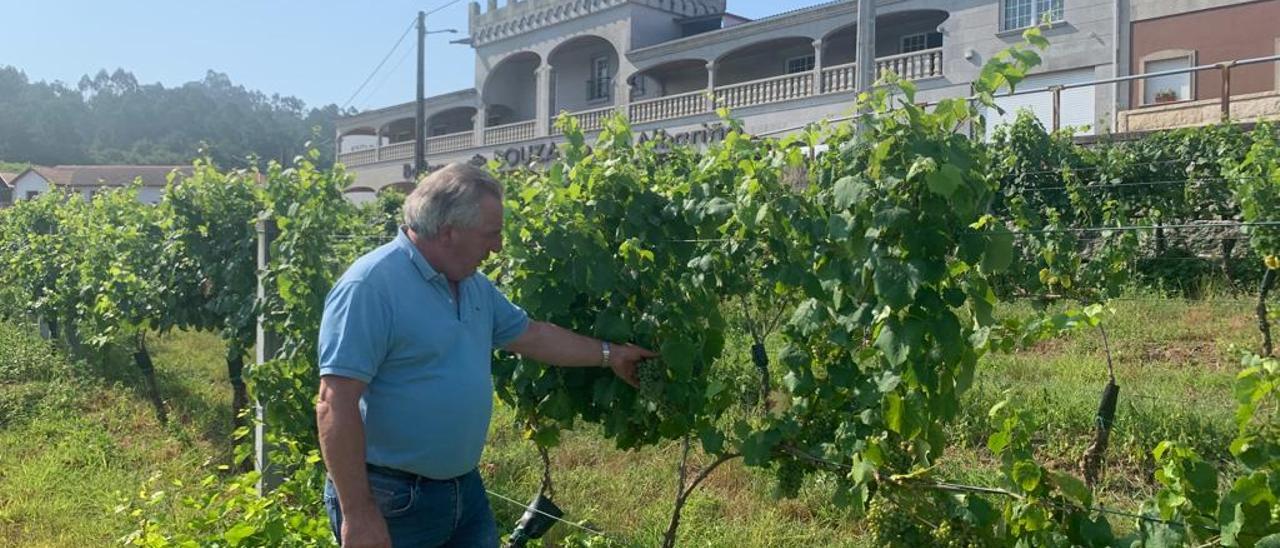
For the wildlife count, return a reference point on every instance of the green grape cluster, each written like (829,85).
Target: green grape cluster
(889,524)
(653,383)
(954,534)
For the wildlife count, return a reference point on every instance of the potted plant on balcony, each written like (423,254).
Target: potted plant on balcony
(1166,95)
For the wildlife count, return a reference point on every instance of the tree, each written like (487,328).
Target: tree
(112,118)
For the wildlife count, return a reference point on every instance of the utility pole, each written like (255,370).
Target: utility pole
(420,120)
(866,48)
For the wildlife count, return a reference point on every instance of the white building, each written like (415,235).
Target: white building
(87,180)
(659,62)
(6,190)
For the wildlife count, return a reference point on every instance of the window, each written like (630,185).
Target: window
(598,85)
(1170,87)
(920,41)
(32,194)
(637,85)
(800,64)
(1020,14)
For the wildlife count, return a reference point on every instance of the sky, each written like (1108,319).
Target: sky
(318,50)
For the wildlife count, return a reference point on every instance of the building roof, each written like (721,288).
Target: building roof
(7,178)
(107,175)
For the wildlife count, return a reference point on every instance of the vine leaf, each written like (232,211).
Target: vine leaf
(849,191)
(944,181)
(999,254)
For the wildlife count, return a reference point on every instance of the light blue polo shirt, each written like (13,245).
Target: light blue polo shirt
(391,322)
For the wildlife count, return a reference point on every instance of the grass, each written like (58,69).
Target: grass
(73,437)
(1175,363)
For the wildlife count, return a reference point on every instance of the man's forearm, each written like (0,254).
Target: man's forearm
(550,343)
(342,446)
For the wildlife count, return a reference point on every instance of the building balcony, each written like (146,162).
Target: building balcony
(403,150)
(775,90)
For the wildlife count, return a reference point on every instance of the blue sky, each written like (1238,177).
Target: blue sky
(319,50)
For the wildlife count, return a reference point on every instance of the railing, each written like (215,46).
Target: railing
(358,157)
(916,65)
(671,106)
(396,151)
(510,133)
(1224,100)
(839,78)
(450,142)
(588,120)
(768,90)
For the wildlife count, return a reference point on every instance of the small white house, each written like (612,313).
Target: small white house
(88,180)
(6,191)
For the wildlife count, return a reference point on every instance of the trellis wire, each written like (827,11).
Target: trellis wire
(977,489)
(530,508)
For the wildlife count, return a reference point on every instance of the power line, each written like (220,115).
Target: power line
(438,8)
(380,63)
(387,76)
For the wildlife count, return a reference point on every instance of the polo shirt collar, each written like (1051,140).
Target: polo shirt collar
(420,263)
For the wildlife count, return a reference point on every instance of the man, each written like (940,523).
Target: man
(405,388)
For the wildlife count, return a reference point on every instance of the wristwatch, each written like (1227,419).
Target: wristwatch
(604,354)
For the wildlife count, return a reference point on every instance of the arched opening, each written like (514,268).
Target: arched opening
(397,131)
(670,78)
(908,31)
(584,69)
(840,46)
(452,120)
(766,59)
(896,33)
(507,90)
(357,139)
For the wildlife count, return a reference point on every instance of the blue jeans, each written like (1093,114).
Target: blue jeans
(426,512)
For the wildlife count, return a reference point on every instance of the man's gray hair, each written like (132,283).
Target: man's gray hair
(449,196)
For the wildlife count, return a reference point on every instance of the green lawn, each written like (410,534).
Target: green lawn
(74,439)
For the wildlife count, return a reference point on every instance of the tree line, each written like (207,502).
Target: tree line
(111,118)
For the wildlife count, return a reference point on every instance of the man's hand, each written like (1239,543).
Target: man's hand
(556,345)
(624,359)
(364,529)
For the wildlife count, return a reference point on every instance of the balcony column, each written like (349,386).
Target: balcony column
(337,144)
(816,89)
(621,91)
(711,85)
(542,96)
(478,125)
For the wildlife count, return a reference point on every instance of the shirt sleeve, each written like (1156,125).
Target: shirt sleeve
(354,331)
(509,321)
